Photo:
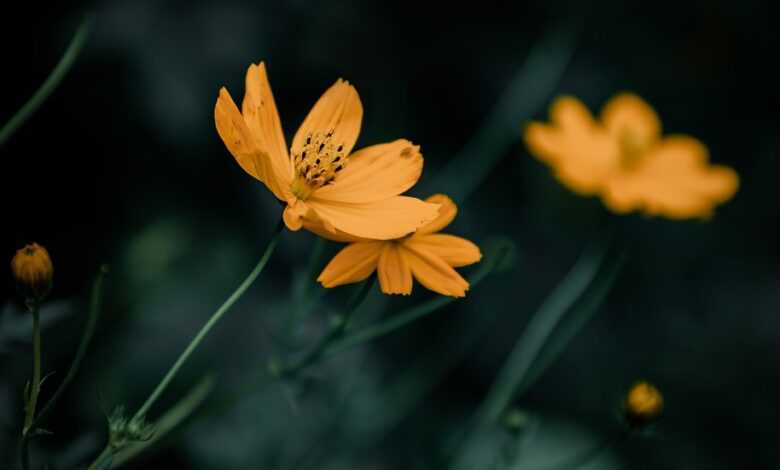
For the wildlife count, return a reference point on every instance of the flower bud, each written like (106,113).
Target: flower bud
(644,404)
(33,271)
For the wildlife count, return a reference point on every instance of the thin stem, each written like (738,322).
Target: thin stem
(336,332)
(95,302)
(51,83)
(398,321)
(102,459)
(86,338)
(210,324)
(35,387)
(36,380)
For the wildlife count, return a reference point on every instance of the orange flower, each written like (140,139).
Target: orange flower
(624,159)
(426,255)
(319,180)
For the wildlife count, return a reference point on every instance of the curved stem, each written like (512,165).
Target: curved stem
(210,324)
(336,332)
(54,79)
(95,302)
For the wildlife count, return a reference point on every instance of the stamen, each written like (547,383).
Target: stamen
(317,163)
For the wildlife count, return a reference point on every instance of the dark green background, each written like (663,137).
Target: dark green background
(123,166)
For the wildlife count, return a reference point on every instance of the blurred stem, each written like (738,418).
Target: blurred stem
(36,380)
(539,330)
(141,413)
(170,420)
(51,83)
(35,386)
(103,461)
(395,322)
(304,297)
(335,333)
(86,338)
(96,298)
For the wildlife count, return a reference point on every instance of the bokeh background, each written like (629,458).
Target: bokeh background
(123,166)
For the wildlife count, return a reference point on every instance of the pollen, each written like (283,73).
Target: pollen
(317,164)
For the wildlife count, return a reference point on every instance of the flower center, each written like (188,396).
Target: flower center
(317,163)
(632,148)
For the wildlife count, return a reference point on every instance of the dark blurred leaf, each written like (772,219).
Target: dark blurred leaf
(527,92)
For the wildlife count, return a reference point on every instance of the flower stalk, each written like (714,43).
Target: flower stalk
(35,386)
(141,413)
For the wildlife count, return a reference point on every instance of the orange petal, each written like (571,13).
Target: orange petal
(628,116)
(338,110)
(547,143)
(262,119)
(316,226)
(582,155)
(352,264)
(447,212)
(381,220)
(455,251)
(239,140)
(674,180)
(294,213)
(570,115)
(375,173)
(393,271)
(434,273)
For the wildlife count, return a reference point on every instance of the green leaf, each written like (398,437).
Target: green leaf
(522,359)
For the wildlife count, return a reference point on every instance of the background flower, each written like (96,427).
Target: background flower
(624,159)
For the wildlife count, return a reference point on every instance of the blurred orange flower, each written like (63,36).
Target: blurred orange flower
(319,180)
(624,159)
(426,255)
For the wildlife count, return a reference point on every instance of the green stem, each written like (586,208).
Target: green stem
(336,332)
(36,380)
(209,325)
(539,329)
(35,386)
(51,83)
(492,261)
(95,302)
(103,460)
(86,338)
(168,421)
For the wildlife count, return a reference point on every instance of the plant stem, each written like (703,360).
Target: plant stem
(32,399)
(336,332)
(210,324)
(100,461)
(36,380)
(54,79)
(86,338)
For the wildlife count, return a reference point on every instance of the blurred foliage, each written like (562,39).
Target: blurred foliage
(122,165)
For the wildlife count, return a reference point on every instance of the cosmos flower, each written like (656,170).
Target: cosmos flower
(426,255)
(624,159)
(320,179)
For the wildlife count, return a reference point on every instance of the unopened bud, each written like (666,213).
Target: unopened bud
(644,404)
(33,271)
